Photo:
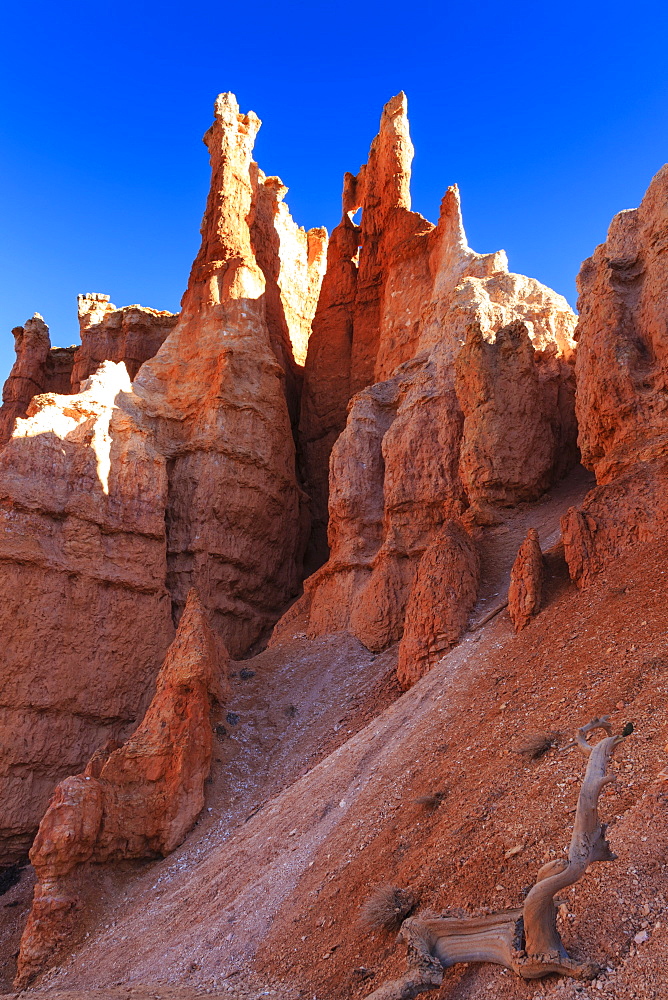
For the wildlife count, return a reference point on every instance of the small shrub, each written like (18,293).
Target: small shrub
(431,801)
(387,907)
(538,744)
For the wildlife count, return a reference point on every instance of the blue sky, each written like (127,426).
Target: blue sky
(550,116)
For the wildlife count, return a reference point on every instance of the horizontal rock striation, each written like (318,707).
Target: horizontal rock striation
(85,614)
(117,499)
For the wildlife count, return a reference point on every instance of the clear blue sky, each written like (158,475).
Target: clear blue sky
(551,116)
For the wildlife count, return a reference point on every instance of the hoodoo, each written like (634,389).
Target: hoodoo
(462,385)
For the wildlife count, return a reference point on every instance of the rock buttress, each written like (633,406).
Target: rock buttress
(139,800)
(622,387)
(84,612)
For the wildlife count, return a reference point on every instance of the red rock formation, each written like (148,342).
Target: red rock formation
(38,368)
(417,289)
(213,399)
(442,595)
(293,263)
(84,612)
(132,334)
(326,389)
(116,502)
(31,343)
(430,436)
(515,444)
(137,801)
(622,386)
(622,364)
(616,517)
(526,581)
(58,369)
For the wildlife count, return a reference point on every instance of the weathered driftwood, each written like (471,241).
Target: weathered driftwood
(525,940)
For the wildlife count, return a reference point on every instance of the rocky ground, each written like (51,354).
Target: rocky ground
(328,783)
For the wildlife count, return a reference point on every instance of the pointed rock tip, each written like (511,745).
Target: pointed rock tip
(397,104)
(193,604)
(225,103)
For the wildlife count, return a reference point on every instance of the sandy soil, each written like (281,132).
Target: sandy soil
(313,803)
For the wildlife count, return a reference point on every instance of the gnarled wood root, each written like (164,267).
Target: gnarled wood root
(524,940)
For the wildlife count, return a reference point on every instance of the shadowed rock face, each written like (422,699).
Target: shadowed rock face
(139,800)
(622,364)
(622,379)
(117,500)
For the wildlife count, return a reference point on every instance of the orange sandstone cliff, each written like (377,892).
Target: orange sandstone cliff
(139,800)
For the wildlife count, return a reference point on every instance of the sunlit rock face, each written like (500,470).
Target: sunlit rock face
(84,613)
(38,368)
(622,387)
(436,383)
(213,399)
(132,334)
(412,289)
(119,498)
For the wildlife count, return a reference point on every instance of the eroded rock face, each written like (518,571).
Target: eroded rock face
(622,366)
(38,368)
(465,397)
(622,380)
(515,440)
(526,581)
(132,334)
(117,500)
(84,612)
(443,593)
(415,289)
(138,800)
(213,399)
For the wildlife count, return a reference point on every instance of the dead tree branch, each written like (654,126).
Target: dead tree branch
(525,940)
